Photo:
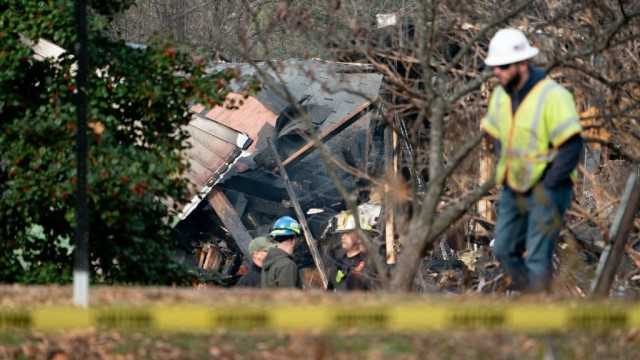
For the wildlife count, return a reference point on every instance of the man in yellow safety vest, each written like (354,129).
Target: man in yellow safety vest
(536,129)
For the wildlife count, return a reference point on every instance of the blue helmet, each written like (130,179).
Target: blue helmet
(285,226)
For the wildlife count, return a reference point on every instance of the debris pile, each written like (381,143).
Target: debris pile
(238,191)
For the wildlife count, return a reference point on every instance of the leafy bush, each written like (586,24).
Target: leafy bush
(137,112)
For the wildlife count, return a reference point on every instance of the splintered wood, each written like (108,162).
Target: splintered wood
(208,257)
(485,207)
(231,220)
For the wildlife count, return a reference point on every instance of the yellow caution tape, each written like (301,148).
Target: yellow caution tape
(409,317)
(53,318)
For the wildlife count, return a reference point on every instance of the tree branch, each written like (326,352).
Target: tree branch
(454,211)
(600,45)
(497,21)
(474,85)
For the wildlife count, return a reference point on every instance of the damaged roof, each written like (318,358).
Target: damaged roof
(225,137)
(340,87)
(216,146)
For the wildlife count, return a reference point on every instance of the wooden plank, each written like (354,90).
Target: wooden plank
(220,131)
(317,259)
(207,259)
(622,224)
(391,162)
(485,208)
(211,261)
(230,219)
(200,255)
(328,133)
(389,237)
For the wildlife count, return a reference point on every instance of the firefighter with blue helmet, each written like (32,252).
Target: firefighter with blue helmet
(285,226)
(279,269)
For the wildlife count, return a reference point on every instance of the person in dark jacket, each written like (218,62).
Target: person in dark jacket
(350,270)
(258,248)
(279,270)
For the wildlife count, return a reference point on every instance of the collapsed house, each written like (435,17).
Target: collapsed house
(238,190)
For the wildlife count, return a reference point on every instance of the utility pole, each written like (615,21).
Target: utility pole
(81,249)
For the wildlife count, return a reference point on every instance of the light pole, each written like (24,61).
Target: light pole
(81,249)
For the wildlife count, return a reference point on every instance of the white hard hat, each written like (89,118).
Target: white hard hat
(368,216)
(509,46)
(345,221)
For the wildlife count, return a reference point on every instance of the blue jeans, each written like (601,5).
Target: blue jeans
(530,222)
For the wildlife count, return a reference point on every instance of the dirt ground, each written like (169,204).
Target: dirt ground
(109,344)
(450,345)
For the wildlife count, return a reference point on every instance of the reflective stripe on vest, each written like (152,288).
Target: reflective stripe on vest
(523,135)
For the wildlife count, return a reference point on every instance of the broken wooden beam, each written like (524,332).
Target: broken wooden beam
(201,256)
(207,258)
(485,206)
(317,259)
(391,165)
(229,217)
(328,133)
(622,224)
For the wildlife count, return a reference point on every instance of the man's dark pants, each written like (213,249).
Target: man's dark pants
(530,222)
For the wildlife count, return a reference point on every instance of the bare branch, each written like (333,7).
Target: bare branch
(472,86)
(517,9)
(616,149)
(600,45)
(454,211)
(597,76)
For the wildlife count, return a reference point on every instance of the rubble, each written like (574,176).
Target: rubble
(238,191)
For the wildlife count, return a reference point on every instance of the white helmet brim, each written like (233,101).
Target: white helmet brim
(527,54)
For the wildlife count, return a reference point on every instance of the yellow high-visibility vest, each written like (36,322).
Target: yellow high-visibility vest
(545,119)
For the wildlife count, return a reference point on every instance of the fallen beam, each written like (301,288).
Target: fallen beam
(328,133)
(317,259)
(231,220)
(622,224)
